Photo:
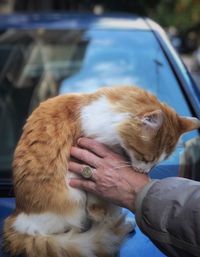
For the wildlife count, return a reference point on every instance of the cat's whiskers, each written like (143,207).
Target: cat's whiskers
(129,165)
(124,162)
(122,166)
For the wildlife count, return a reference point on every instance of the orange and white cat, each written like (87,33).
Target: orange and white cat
(51,218)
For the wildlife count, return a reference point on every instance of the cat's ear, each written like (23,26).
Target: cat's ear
(152,121)
(189,123)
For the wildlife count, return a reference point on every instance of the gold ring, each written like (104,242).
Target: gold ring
(87,172)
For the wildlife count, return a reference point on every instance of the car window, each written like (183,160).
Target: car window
(119,57)
(37,64)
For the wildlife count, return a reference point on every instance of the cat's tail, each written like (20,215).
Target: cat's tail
(99,241)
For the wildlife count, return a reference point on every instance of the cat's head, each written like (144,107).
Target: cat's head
(151,136)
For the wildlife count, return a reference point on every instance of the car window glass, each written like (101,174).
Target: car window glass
(37,64)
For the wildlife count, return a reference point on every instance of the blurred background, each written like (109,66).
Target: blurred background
(180,19)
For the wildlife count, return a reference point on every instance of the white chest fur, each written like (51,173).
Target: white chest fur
(100,121)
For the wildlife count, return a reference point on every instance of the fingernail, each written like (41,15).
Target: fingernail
(79,140)
(72,182)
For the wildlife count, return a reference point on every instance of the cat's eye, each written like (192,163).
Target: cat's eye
(149,118)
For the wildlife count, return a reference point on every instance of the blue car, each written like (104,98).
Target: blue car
(43,55)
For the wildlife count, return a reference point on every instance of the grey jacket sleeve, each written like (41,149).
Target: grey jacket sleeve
(168,212)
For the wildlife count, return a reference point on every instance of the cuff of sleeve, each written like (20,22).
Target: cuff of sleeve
(139,201)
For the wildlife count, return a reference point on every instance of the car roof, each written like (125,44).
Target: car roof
(73,21)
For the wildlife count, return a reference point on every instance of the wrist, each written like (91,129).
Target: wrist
(142,180)
(137,183)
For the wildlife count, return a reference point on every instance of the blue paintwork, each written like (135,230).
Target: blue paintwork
(138,244)
(69,21)
(7,206)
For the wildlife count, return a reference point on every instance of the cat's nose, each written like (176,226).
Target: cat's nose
(86,225)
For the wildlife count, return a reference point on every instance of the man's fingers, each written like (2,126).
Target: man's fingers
(86,185)
(75,167)
(85,156)
(94,146)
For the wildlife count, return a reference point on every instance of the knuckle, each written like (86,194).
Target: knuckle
(84,154)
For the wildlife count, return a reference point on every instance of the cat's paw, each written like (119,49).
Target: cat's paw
(130,224)
(97,212)
(123,226)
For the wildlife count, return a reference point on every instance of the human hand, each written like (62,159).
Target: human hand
(113,176)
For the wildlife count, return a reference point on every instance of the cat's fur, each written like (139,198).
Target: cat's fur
(50,216)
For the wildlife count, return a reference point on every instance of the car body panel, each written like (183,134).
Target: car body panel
(72,21)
